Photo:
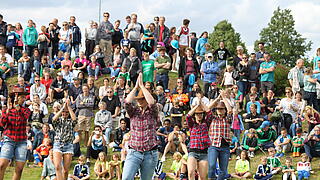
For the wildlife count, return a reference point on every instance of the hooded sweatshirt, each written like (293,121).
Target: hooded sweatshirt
(200,48)
(30,36)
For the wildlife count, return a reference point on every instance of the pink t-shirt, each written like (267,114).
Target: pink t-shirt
(20,42)
(190,67)
(66,62)
(84,60)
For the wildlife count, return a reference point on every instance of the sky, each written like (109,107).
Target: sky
(248,17)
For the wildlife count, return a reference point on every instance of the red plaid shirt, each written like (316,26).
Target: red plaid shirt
(15,123)
(220,128)
(142,127)
(199,138)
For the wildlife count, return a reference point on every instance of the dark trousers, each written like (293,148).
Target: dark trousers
(29,50)
(311,151)
(287,121)
(89,47)
(55,49)
(311,98)
(137,46)
(206,86)
(95,153)
(163,79)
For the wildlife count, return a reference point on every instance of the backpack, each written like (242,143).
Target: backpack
(11,40)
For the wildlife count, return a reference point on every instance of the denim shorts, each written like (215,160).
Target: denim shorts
(12,149)
(199,156)
(64,148)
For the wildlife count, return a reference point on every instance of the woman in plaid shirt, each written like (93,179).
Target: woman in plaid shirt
(199,139)
(219,133)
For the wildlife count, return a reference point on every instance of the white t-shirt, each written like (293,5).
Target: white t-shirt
(65,34)
(204,100)
(8,57)
(228,80)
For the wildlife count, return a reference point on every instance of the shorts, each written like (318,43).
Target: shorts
(11,149)
(83,123)
(199,156)
(64,148)
(266,86)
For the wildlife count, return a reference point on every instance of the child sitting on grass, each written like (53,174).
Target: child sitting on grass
(303,167)
(242,167)
(250,142)
(273,161)
(81,171)
(176,166)
(41,152)
(101,167)
(297,143)
(288,170)
(115,164)
(263,170)
(282,143)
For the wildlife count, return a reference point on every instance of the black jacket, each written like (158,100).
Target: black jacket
(182,67)
(165,35)
(4,90)
(39,138)
(76,34)
(3,33)
(65,84)
(119,135)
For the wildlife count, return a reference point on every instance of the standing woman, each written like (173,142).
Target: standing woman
(116,62)
(118,34)
(310,91)
(243,70)
(90,35)
(199,140)
(63,123)
(172,47)
(43,40)
(238,57)
(189,69)
(19,31)
(220,137)
(65,36)
(200,46)
(133,65)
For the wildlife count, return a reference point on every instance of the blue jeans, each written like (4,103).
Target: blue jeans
(145,161)
(243,86)
(23,67)
(303,174)
(36,65)
(223,155)
(75,48)
(164,78)
(107,133)
(114,72)
(11,149)
(93,72)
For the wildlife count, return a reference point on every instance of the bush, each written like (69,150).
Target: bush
(281,79)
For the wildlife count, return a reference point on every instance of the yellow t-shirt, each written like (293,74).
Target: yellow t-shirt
(242,166)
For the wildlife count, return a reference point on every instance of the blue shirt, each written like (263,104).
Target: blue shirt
(233,142)
(315,63)
(270,75)
(125,42)
(78,169)
(256,103)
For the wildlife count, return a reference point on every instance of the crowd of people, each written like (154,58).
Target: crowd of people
(220,104)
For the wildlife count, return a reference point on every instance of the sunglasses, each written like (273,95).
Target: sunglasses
(179,82)
(109,91)
(105,16)
(36,80)
(64,24)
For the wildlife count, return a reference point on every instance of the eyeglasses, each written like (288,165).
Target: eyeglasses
(37,80)
(288,92)
(179,82)
(105,16)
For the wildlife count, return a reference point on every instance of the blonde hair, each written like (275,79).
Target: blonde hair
(82,158)
(177,155)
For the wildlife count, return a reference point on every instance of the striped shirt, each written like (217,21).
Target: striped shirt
(143,127)
(199,138)
(220,128)
(15,123)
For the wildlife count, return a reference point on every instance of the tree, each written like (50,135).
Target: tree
(224,31)
(281,39)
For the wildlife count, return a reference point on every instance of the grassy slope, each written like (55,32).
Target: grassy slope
(35,173)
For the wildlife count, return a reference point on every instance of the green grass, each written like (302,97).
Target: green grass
(35,173)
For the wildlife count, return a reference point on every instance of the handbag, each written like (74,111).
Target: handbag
(235,75)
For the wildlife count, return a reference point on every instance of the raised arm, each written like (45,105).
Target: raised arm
(56,116)
(132,94)
(214,102)
(147,95)
(72,114)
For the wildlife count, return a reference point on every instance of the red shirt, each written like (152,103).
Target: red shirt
(46,83)
(220,128)
(161,34)
(15,123)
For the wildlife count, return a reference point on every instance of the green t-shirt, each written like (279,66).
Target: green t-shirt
(274,162)
(125,75)
(161,60)
(5,65)
(148,70)
(270,75)
(176,166)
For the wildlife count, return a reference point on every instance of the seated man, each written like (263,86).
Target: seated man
(57,88)
(176,142)
(119,134)
(163,133)
(266,135)
(253,119)
(38,89)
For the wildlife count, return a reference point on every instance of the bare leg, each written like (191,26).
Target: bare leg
(18,170)
(67,158)
(170,146)
(57,158)
(3,166)
(203,169)
(192,165)
(86,137)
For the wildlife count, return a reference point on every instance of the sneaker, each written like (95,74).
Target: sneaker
(277,155)
(88,163)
